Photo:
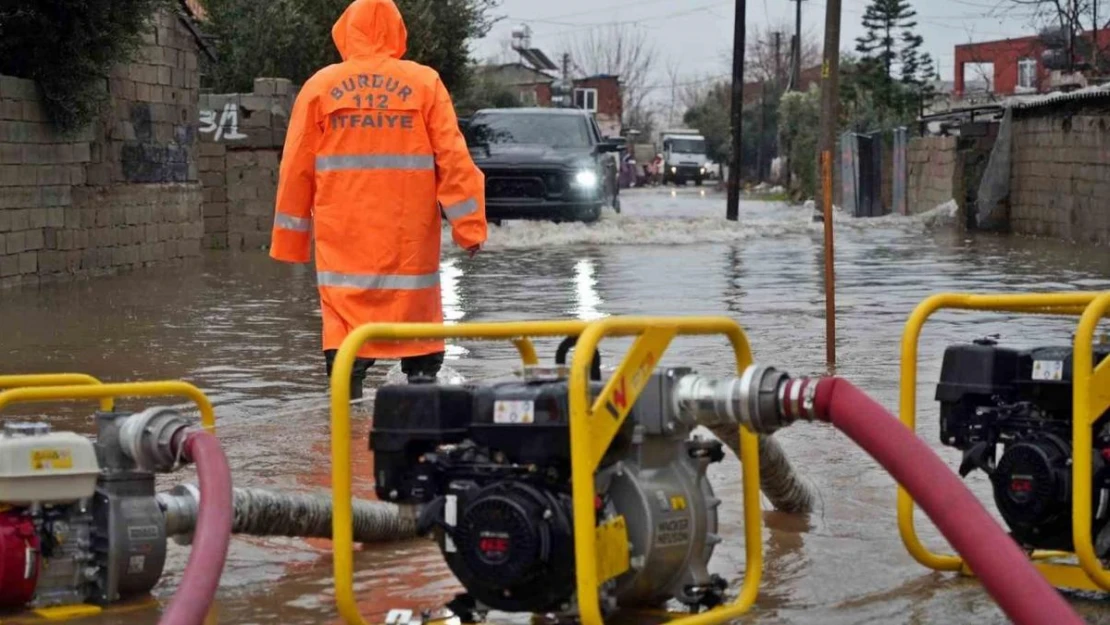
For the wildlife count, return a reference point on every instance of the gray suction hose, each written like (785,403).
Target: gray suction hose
(260,512)
(777,477)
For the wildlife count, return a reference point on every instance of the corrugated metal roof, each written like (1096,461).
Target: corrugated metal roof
(1096,92)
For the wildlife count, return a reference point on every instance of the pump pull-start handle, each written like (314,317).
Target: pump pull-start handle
(561,357)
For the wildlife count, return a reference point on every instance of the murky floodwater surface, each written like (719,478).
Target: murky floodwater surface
(246,330)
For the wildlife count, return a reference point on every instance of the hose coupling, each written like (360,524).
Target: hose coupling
(153,438)
(180,506)
(762,398)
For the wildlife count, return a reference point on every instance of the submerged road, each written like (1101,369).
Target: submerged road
(246,331)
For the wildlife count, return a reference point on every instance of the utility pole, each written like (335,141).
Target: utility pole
(830,74)
(1094,37)
(778,59)
(778,88)
(1072,32)
(797,75)
(732,211)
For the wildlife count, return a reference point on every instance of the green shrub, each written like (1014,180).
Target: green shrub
(292,38)
(69,47)
(799,124)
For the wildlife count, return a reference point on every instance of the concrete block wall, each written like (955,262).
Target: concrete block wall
(1060,177)
(241,141)
(119,194)
(931,168)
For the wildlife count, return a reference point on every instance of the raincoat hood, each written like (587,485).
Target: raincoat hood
(370,28)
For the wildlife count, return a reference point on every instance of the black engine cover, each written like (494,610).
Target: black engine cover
(512,546)
(1021,400)
(1032,489)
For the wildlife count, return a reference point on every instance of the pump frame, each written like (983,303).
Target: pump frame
(592,428)
(1090,397)
(54,379)
(47,387)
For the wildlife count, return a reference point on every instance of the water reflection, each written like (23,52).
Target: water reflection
(449,275)
(453,312)
(586,297)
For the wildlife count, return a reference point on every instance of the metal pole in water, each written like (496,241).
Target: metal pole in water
(733,210)
(830,73)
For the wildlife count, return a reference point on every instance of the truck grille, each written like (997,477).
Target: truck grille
(524,185)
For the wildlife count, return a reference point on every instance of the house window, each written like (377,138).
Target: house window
(1027,73)
(586,99)
(528,97)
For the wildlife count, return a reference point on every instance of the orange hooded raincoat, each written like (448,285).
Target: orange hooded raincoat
(373,161)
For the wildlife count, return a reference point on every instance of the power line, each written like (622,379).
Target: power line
(640,3)
(578,27)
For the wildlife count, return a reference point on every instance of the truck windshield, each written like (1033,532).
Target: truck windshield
(560,131)
(688,146)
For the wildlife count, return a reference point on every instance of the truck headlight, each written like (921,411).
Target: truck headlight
(585,179)
(674,170)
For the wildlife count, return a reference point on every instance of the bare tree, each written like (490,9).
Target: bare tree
(674,107)
(762,57)
(620,50)
(1067,31)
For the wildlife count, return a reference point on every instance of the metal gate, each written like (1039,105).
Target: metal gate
(899,200)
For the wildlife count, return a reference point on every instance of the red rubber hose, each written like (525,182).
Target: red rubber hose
(198,586)
(1018,588)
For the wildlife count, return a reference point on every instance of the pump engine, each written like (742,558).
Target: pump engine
(490,464)
(79,522)
(1021,401)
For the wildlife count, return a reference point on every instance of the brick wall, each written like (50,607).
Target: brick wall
(931,169)
(241,140)
(121,193)
(1060,176)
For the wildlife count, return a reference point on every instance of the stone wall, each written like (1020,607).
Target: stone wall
(241,141)
(121,193)
(931,169)
(1060,177)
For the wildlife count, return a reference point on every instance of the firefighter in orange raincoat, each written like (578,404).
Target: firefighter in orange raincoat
(373,161)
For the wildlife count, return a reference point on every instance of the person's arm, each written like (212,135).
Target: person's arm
(292,234)
(460,185)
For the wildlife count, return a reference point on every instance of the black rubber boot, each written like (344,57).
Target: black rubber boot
(422,368)
(358,372)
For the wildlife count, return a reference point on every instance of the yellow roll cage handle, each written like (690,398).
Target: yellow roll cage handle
(1091,398)
(596,424)
(54,379)
(108,392)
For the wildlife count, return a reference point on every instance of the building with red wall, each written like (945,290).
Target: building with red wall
(1018,65)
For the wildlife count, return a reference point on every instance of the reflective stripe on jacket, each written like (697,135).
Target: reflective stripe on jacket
(373,162)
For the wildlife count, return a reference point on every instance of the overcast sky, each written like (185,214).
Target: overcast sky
(696,34)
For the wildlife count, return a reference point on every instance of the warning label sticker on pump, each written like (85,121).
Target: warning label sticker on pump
(47,459)
(1048,370)
(514,411)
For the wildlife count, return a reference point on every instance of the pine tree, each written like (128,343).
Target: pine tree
(891,66)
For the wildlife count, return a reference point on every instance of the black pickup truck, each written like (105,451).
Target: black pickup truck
(543,163)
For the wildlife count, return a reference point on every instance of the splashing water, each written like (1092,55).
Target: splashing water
(677,228)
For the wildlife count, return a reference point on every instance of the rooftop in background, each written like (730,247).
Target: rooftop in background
(517,74)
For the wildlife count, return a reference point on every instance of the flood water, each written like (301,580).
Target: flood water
(246,331)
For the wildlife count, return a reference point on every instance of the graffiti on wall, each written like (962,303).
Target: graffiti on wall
(224,128)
